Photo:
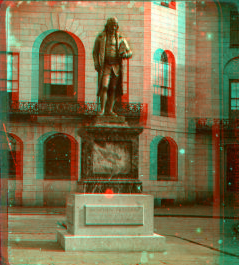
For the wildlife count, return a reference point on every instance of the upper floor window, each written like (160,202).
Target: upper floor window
(234,97)
(58,72)
(58,67)
(234,29)
(12,59)
(164,83)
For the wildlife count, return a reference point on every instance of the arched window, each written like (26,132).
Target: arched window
(58,68)
(231,88)
(167,162)
(12,164)
(14,156)
(60,157)
(164,84)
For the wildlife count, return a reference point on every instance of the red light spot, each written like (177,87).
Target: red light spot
(109,193)
(202,33)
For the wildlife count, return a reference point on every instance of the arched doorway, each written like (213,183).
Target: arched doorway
(60,168)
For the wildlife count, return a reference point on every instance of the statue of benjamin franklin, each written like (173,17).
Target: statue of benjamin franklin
(109,50)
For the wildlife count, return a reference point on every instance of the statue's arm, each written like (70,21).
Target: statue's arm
(96,51)
(127,54)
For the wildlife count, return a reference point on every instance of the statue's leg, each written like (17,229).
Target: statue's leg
(103,93)
(112,94)
(103,99)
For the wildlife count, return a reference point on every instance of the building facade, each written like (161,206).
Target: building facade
(183,72)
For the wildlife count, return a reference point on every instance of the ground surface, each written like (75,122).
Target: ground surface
(195,235)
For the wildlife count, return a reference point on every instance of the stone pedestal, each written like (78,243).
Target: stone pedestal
(110,222)
(110,157)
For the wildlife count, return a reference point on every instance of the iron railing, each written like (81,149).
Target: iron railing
(207,124)
(73,108)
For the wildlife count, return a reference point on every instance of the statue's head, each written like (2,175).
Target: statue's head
(111,25)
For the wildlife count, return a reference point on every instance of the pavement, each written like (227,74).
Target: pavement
(194,235)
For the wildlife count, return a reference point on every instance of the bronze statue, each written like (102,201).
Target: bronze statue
(109,50)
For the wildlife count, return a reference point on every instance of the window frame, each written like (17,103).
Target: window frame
(172,157)
(58,37)
(168,100)
(236,32)
(236,113)
(73,164)
(13,94)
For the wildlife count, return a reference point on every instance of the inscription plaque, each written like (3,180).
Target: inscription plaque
(114,215)
(111,157)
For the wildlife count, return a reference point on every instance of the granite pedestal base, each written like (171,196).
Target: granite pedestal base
(110,222)
(153,243)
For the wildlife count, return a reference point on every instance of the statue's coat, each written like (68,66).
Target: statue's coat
(99,59)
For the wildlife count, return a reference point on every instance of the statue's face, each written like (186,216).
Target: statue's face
(112,27)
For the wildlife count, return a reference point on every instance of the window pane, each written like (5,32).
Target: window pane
(61,62)
(237,89)
(234,28)
(233,90)
(233,104)
(58,157)
(9,66)
(15,60)
(237,104)
(169,92)
(15,86)
(165,92)
(165,75)
(69,63)
(12,71)
(47,64)
(163,159)
(9,86)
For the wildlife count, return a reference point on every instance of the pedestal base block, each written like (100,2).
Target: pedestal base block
(152,243)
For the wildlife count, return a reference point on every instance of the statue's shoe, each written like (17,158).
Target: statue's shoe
(113,114)
(101,113)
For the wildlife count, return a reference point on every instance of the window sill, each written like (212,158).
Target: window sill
(168,178)
(53,179)
(58,100)
(166,115)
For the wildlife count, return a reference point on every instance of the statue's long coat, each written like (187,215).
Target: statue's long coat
(99,59)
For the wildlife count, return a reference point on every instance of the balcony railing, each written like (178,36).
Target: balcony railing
(206,124)
(73,108)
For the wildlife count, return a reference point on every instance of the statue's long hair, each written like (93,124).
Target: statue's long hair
(106,30)
(106,27)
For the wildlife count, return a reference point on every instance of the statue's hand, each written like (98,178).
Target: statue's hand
(126,55)
(97,68)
